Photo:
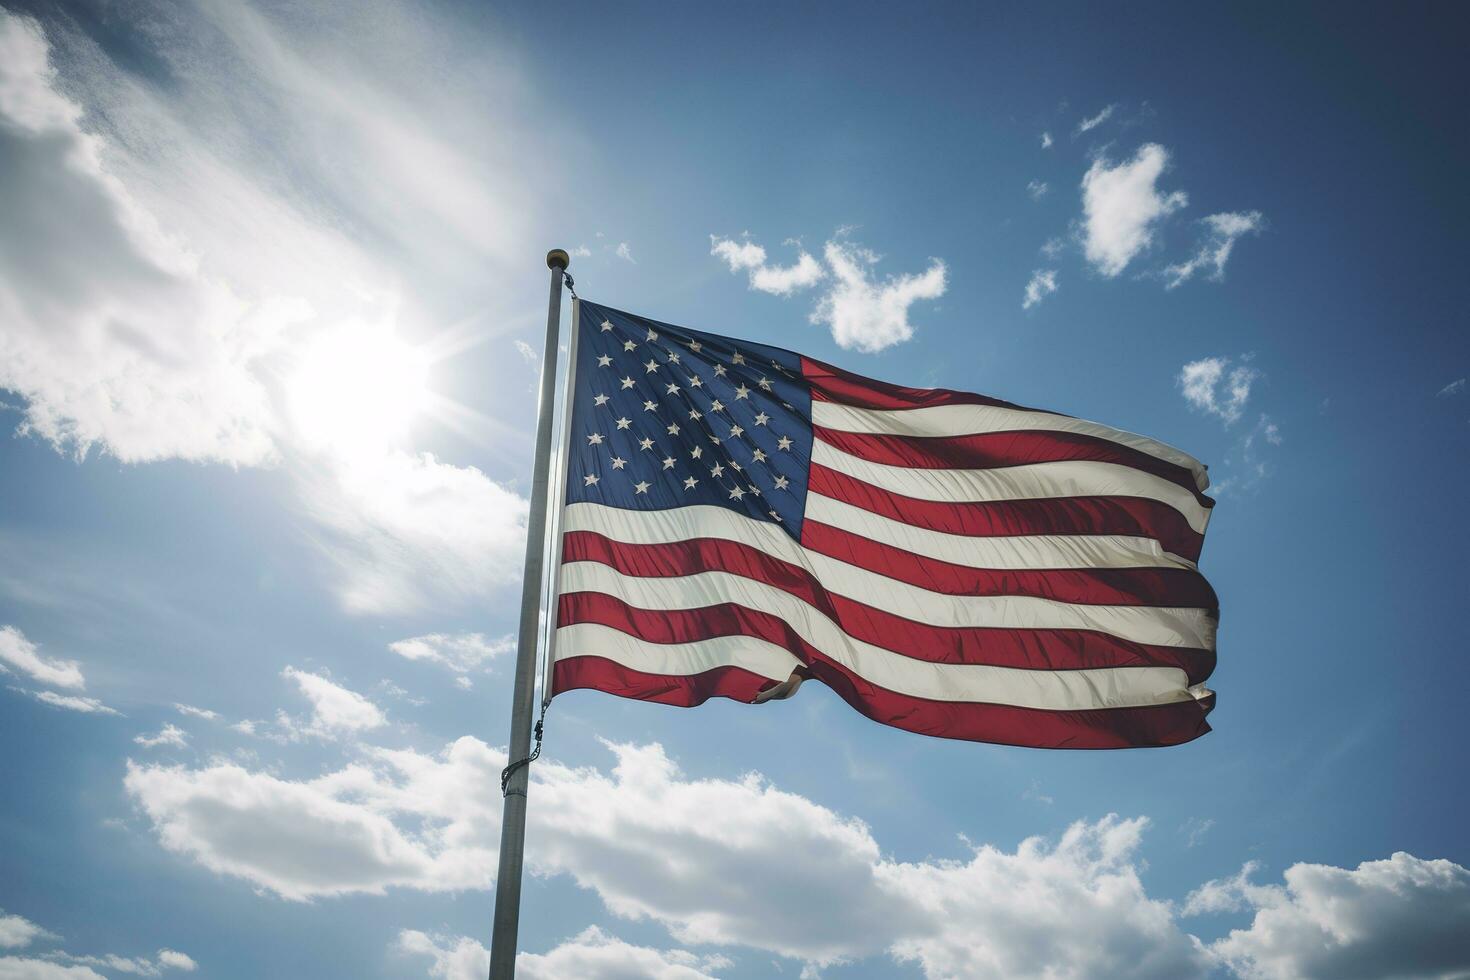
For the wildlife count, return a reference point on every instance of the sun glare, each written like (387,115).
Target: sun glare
(358,387)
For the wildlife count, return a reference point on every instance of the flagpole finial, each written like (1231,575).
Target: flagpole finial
(558,259)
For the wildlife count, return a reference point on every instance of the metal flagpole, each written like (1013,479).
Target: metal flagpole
(513,824)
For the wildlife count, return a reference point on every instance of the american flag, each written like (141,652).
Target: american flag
(738,518)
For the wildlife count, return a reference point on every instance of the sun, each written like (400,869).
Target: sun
(356,388)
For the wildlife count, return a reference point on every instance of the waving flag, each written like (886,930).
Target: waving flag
(738,518)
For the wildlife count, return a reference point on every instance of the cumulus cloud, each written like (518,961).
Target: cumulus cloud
(17,932)
(1403,917)
(625,253)
(1046,141)
(1043,283)
(459,652)
(1451,389)
(25,968)
(867,314)
(1212,386)
(1122,206)
(1037,189)
(335,711)
(1092,122)
(746,255)
(193,712)
(71,702)
(169,735)
(19,653)
(590,955)
(1221,232)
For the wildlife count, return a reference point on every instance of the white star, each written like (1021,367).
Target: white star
(765,383)
(781,482)
(697,452)
(741,392)
(673,429)
(736,432)
(720,369)
(694,414)
(619,462)
(783,443)
(651,335)
(629,345)
(762,419)
(714,439)
(736,494)
(650,407)
(717,471)
(668,462)
(673,357)
(603,360)
(600,400)
(606,325)
(739,358)
(590,479)
(627,382)
(716,406)
(650,367)
(694,346)
(624,423)
(595,439)
(694,382)
(640,487)
(775,515)
(736,465)
(645,443)
(671,389)
(755,490)
(778,366)
(690,483)
(759,456)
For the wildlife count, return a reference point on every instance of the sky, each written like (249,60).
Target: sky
(272,292)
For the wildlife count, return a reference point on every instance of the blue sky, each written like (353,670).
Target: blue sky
(271,294)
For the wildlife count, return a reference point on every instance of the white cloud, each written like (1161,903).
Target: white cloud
(625,253)
(403,529)
(1221,232)
(23,655)
(1121,205)
(1195,829)
(71,702)
(1213,386)
(590,955)
(23,968)
(167,273)
(1092,123)
(867,315)
(527,352)
(460,652)
(17,932)
(1053,247)
(777,280)
(1046,141)
(193,712)
(335,711)
(1451,389)
(1043,283)
(1400,918)
(169,735)
(176,960)
(580,252)
(1037,189)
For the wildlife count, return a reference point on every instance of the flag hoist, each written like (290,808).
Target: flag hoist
(731,519)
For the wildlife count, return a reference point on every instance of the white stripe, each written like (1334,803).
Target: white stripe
(1064,690)
(1032,481)
(1040,551)
(1164,626)
(958,420)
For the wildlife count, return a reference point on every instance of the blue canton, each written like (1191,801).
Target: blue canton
(663,417)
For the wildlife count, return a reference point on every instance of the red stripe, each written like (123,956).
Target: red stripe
(600,674)
(1110,728)
(1136,516)
(996,450)
(1038,649)
(1173,587)
(832,384)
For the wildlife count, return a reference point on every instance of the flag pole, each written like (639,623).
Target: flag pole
(513,824)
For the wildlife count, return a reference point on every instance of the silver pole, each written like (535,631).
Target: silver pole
(513,824)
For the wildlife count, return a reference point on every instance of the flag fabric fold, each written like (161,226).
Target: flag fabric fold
(739,517)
